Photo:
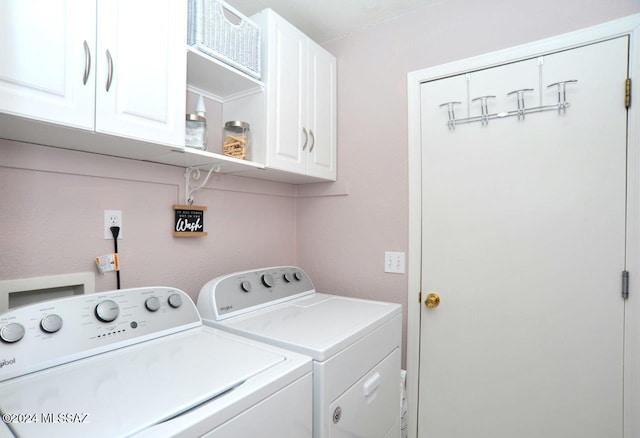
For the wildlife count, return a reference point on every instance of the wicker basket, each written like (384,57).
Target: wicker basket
(212,31)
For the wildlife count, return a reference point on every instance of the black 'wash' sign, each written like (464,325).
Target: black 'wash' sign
(189,221)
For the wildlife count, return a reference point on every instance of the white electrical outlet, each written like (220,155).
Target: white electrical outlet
(112,218)
(394,262)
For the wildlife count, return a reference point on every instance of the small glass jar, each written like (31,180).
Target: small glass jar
(196,132)
(236,140)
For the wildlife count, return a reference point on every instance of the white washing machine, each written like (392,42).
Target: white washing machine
(139,362)
(354,343)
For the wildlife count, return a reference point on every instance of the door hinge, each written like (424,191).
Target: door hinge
(625,284)
(627,93)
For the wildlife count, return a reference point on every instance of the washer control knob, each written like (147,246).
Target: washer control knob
(175,300)
(297,275)
(51,323)
(288,277)
(267,280)
(12,332)
(107,310)
(152,304)
(245,286)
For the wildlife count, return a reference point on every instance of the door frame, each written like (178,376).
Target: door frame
(625,26)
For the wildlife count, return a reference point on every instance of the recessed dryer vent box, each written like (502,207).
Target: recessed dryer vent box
(14,293)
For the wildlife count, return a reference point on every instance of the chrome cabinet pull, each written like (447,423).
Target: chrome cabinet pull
(110,74)
(306,138)
(87,63)
(313,140)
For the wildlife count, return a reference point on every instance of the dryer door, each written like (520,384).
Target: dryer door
(371,407)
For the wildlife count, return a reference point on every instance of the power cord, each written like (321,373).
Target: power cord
(115,231)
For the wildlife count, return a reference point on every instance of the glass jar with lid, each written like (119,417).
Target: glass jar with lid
(236,139)
(196,132)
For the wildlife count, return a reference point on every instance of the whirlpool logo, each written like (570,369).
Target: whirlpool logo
(7,362)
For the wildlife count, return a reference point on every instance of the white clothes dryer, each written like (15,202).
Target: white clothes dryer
(354,343)
(139,362)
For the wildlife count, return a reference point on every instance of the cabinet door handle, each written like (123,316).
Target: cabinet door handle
(110,73)
(306,138)
(313,140)
(87,63)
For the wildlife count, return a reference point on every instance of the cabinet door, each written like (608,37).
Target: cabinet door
(45,73)
(321,119)
(287,134)
(142,57)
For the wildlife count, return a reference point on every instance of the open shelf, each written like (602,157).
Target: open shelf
(189,157)
(219,81)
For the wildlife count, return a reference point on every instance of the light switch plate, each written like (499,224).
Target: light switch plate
(394,262)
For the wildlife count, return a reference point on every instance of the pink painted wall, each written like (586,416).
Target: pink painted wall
(52,200)
(51,219)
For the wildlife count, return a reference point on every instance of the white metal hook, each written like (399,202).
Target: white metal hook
(484,107)
(451,123)
(520,96)
(562,93)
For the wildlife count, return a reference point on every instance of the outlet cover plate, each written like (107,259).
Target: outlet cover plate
(112,218)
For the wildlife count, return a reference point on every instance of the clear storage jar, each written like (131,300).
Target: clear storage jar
(196,132)
(236,139)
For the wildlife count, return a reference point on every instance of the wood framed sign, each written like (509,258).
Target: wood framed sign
(189,221)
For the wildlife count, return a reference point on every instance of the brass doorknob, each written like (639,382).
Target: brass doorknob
(432,300)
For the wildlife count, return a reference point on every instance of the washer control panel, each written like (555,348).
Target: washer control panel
(41,335)
(246,291)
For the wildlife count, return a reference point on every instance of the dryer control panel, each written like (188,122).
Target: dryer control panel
(49,333)
(246,291)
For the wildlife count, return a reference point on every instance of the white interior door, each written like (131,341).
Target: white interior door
(524,241)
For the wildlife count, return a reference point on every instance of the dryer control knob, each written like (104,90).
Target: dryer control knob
(288,277)
(175,300)
(152,304)
(107,310)
(12,332)
(51,323)
(267,280)
(245,286)
(297,275)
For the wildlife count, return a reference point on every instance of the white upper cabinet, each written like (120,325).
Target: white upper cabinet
(110,77)
(112,67)
(322,113)
(47,62)
(141,69)
(300,82)
(286,81)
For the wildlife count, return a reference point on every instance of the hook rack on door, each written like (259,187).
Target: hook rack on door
(520,112)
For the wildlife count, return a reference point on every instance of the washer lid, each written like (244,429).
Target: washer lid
(318,325)
(125,391)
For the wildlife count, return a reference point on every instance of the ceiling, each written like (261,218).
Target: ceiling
(326,20)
